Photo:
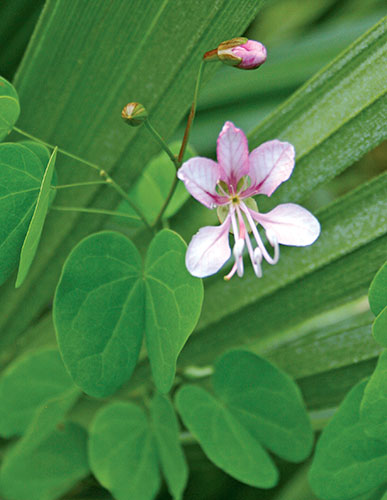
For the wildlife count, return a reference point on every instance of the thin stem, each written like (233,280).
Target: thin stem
(102,172)
(191,115)
(94,211)
(166,202)
(79,184)
(161,141)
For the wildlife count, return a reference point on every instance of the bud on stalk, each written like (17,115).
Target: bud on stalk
(134,114)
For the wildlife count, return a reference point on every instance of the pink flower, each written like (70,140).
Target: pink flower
(228,185)
(242,53)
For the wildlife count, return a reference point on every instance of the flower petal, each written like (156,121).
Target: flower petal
(200,176)
(233,154)
(269,165)
(208,250)
(292,224)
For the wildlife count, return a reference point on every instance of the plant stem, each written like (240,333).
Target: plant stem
(166,202)
(102,172)
(191,115)
(94,211)
(161,141)
(78,184)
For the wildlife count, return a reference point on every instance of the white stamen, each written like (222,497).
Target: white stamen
(273,240)
(257,262)
(240,269)
(238,248)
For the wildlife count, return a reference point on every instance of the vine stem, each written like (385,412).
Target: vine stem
(183,146)
(102,172)
(78,184)
(59,208)
(161,141)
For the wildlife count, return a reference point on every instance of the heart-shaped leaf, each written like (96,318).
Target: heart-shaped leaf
(104,301)
(31,241)
(9,107)
(170,453)
(28,385)
(373,409)
(123,453)
(377,294)
(21,173)
(348,462)
(255,405)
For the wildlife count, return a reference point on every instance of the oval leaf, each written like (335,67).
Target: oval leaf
(173,305)
(20,178)
(48,470)
(377,294)
(224,439)
(373,409)
(9,107)
(379,328)
(266,401)
(347,461)
(98,312)
(123,453)
(27,385)
(35,228)
(171,456)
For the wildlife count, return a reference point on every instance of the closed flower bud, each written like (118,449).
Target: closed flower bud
(242,53)
(134,114)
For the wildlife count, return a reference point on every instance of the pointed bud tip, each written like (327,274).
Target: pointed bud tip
(134,114)
(242,53)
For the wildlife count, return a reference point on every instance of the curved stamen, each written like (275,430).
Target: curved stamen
(257,268)
(257,237)
(273,240)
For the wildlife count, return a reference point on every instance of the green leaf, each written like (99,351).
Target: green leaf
(224,439)
(173,304)
(347,461)
(20,179)
(31,242)
(100,309)
(48,470)
(377,295)
(98,312)
(373,409)
(9,107)
(41,151)
(379,328)
(122,452)
(170,453)
(152,188)
(266,401)
(27,386)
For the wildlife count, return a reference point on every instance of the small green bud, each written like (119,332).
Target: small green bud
(134,114)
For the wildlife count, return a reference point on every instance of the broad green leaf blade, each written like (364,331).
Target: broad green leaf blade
(122,452)
(224,439)
(35,228)
(326,118)
(152,188)
(41,151)
(377,295)
(27,385)
(20,178)
(173,304)
(266,401)
(347,461)
(373,408)
(171,456)
(98,312)
(379,328)
(9,107)
(47,471)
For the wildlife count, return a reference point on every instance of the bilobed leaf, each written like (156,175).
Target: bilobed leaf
(266,401)
(377,295)
(27,386)
(20,178)
(348,462)
(373,409)
(98,312)
(122,452)
(173,304)
(9,107)
(224,439)
(170,452)
(48,470)
(30,244)
(379,328)
(152,188)
(41,151)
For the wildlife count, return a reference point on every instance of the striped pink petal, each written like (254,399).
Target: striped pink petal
(233,154)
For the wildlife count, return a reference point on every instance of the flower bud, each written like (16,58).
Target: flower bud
(134,114)
(242,53)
